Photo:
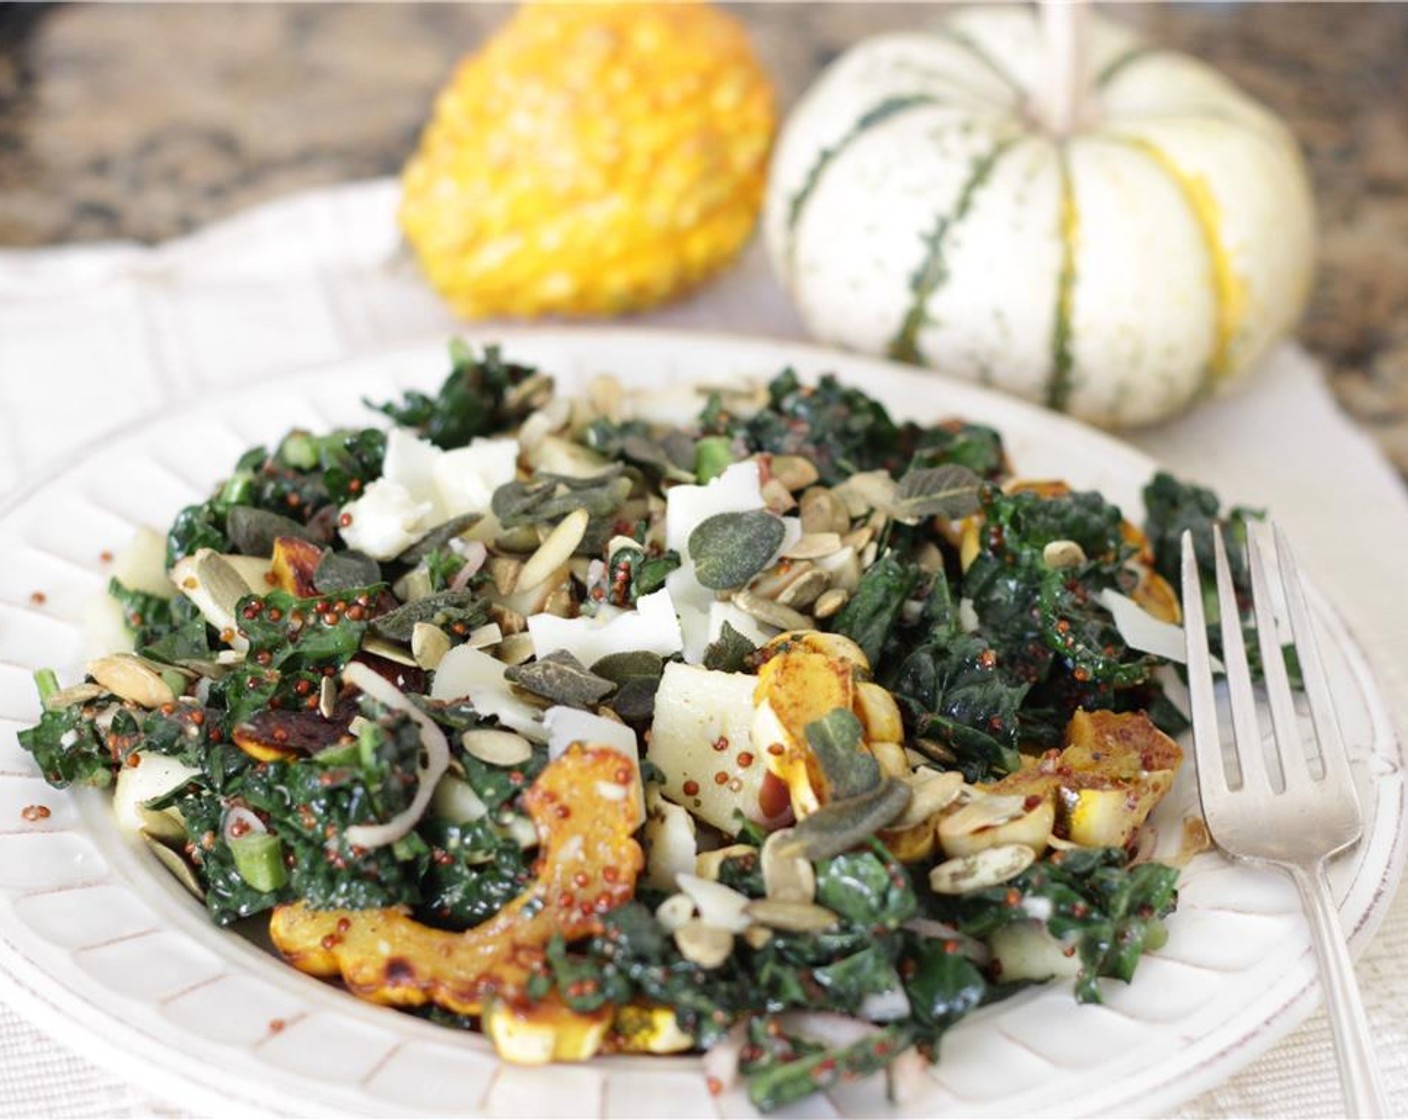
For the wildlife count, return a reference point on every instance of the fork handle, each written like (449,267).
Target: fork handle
(1359,1072)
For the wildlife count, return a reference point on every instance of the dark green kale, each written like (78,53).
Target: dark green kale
(168,630)
(476,399)
(1110,910)
(289,632)
(473,872)
(68,748)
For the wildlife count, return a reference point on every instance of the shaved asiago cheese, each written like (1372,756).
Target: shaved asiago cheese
(718,905)
(652,626)
(466,673)
(671,846)
(759,633)
(434,763)
(1142,630)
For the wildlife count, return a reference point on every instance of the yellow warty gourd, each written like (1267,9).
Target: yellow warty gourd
(591,160)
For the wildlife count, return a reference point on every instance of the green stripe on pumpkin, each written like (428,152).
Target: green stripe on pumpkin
(890,107)
(1117,64)
(1062,383)
(932,272)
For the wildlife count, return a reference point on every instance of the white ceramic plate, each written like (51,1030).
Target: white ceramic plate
(102,947)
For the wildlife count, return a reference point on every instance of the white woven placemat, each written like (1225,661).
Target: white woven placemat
(93,337)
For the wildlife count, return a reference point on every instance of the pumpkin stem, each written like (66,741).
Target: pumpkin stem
(1065,102)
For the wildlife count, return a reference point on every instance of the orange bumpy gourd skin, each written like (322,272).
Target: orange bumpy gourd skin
(591,159)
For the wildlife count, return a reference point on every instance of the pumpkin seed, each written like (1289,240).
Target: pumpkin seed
(1063,554)
(774,614)
(894,763)
(830,602)
(729,549)
(675,911)
(866,491)
(859,539)
(73,694)
(497,748)
(794,472)
(813,546)
(531,393)
(706,946)
(174,863)
(556,550)
(984,811)
(213,584)
(561,603)
(879,712)
(755,937)
(821,511)
(802,592)
(932,750)
(392,651)
(787,877)
(839,825)
(515,649)
(508,620)
(519,541)
(561,678)
(987,868)
(792,917)
(777,497)
(487,635)
(931,791)
(130,678)
(429,644)
(707,864)
(773,581)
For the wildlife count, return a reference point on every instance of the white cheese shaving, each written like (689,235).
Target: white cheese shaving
(652,626)
(1142,630)
(470,673)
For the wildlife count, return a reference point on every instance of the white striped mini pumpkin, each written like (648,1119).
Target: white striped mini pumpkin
(918,208)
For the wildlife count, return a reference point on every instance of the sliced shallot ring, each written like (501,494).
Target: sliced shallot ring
(437,759)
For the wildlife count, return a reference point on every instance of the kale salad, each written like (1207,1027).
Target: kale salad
(747,722)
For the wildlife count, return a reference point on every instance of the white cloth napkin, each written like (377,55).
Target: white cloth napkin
(93,337)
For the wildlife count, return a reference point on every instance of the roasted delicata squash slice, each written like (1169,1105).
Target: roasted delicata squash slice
(294,565)
(1115,768)
(585,810)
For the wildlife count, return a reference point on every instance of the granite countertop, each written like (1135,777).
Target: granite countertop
(144,122)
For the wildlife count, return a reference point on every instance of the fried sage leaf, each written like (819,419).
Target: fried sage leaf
(729,651)
(445,609)
(838,741)
(252,531)
(839,825)
(439,537)
(561,678)
(729,549)
(337,571)
(950,491)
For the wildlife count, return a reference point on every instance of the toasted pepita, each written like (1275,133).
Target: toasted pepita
(803,591)
(830,602)
(515,649)
(793,917)
(327,697)
(786,876)
(498,748)
(755,937)
(675,911)
(777,497)
(429,644)
(706,946)
(931,792)
(556,550)
(518,541)
(773,581)
(774,614)
(878,712)
(73,694)
(1063,554)
(392,651)
(821,511)
(130,678)
(487,635)
(794,472)
(987,868)
(504,571)
(812,546)
(893,761)
(984,811)
(174,863)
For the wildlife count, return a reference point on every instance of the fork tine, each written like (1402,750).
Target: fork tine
(1290,747)
(1207,743)
(1317,688)
(1246,730)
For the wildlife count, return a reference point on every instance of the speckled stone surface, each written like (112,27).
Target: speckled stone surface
(143,122)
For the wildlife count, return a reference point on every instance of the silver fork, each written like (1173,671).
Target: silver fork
(1302,820)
